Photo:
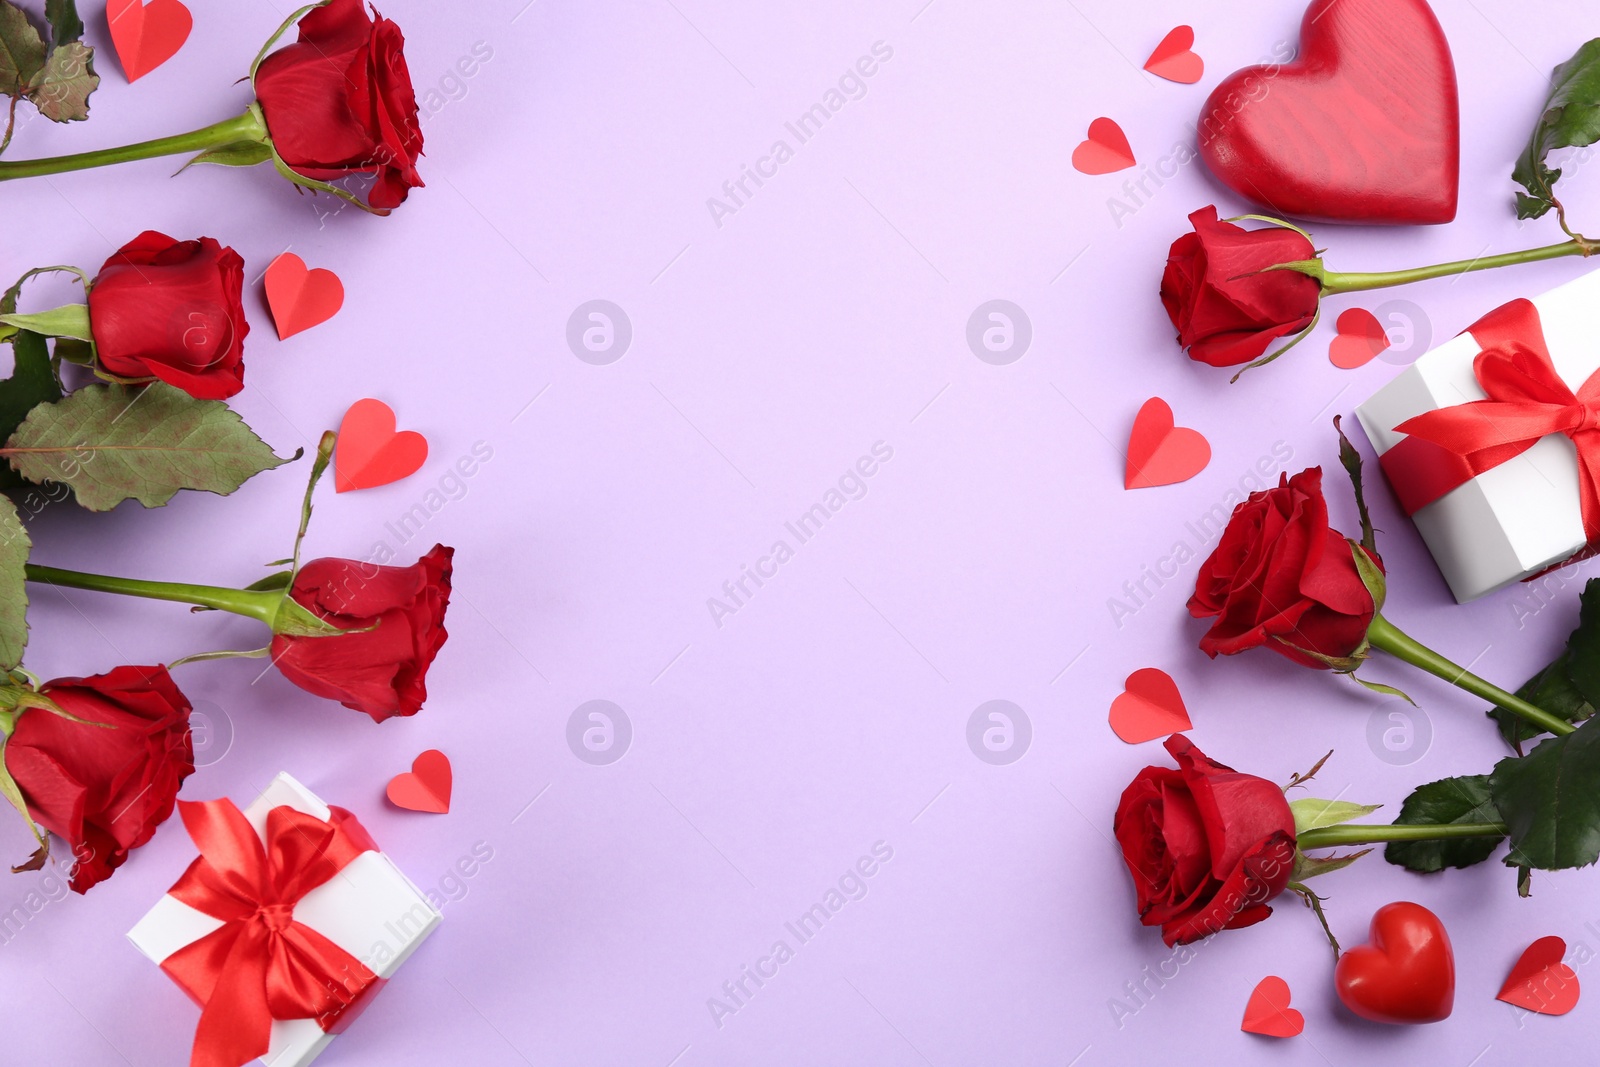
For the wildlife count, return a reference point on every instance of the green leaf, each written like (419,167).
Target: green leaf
(1311,813)
(1447,802)
(1571,119)
(70,320)
(65,25)
(32,382)
(1583,647)
(62,88)
(112,443)
(1550,801)
(21,50)
(14,548)
(238,154)
(1552,690)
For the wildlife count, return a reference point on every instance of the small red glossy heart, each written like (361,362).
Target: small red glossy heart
(1106,150)
(147,35)
(1361,338)
(1149,707)
(370,452)
(1268,1012)
(1363,126)
(1406,973)
(426,786)
(1540,982)
(301,298)
(1160,452)
(1174,58)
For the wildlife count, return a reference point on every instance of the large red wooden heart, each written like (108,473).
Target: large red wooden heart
(1406,973)
(1364,126)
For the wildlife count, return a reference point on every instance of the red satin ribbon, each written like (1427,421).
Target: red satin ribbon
(261,964)
(1527,401)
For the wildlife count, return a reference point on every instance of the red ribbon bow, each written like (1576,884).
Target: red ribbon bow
(1527,401)
(261,964)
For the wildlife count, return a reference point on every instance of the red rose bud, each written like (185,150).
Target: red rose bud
(1281,578)
(340,101)
(1207,846)
(382,671)
(172,310)
(103,789)
(1218,291)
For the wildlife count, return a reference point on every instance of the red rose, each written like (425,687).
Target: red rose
(384,670)
(103,789)
(1280,577)
(1227,312)
(172,310)
(1208,847)
(340,101)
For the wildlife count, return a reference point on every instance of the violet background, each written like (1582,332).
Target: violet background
(831,711)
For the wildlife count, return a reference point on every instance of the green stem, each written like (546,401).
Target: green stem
(246,127)
(252,604)
(1365,834)
(1384,635)
(1334,282)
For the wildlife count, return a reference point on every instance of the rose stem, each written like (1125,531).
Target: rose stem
(1364,834)
(1384,635)
(246,127)
(1334,282)
(261,605)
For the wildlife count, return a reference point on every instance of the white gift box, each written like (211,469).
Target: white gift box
(369,909)
(1523,516)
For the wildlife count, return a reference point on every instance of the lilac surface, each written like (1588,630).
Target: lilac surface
(830,711)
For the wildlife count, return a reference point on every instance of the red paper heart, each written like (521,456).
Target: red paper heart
(1364,126)
(1149,707)
(1361,338)
(1160,453)
(1406,973)
(1268,1012)
(147,35)
(1540,981)
(301,298)
(1106,150)
(1175,60)
(426,786)
(370,453)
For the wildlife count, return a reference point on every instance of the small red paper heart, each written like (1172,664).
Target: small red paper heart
(1361,338)
(1160,453)
(426,786)
(1362,126)
(301,298)
(1406,973)
(1149,707)
(370,453)
(1174,58)
(147,35)
(1106,150)
(1268,1012)
(1540,982)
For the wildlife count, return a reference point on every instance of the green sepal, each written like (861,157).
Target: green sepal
(1311,813)
(238,154)
(1310,866)
(69,320)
